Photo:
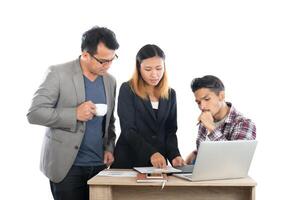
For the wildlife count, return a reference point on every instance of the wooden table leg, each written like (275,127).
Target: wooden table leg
(100,192)
(253,193)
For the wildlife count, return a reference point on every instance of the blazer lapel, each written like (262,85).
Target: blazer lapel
(79,83)
(107,93)
(162,111)
(148,106)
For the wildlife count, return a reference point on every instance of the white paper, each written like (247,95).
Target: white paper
(117,173)
(146,170)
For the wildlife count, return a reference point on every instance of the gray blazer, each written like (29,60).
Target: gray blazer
(54,106)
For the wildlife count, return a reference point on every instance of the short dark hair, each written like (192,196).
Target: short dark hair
(211,82)
(91,38)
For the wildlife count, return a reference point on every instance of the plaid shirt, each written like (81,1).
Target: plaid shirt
(234,127)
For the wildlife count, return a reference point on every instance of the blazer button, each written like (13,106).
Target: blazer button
(76,147)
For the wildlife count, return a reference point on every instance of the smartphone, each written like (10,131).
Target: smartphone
(154,175)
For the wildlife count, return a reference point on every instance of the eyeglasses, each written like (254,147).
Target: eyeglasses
(104,61)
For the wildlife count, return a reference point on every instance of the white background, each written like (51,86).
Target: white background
(253,46)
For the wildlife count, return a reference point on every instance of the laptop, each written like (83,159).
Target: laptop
(222,160)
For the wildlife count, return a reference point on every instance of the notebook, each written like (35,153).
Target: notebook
(150,178)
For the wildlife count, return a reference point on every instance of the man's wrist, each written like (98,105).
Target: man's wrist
(211,128)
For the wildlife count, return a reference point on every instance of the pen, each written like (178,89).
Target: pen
(163,184)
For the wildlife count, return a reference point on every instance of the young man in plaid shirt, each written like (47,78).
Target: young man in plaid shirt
(219,120)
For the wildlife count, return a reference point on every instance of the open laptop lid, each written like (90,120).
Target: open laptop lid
(223,159)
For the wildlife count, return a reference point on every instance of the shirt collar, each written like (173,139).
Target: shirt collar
(232,113)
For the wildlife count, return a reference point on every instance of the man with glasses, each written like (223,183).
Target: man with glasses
(79,142)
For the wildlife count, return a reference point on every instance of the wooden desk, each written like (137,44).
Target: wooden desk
(126,188)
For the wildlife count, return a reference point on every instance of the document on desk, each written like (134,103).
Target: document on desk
(117,173)
(149,170)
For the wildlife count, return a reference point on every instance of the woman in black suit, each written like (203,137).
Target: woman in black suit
(148,115)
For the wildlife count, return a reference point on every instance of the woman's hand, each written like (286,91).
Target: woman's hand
(178,161)
(157,160)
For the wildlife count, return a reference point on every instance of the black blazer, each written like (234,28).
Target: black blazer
(142,134)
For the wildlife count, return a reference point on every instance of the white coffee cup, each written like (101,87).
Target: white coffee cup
(101,109)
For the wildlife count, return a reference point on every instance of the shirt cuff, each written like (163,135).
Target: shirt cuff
(215,135)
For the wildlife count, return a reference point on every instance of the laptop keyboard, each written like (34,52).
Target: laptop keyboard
(186,168)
